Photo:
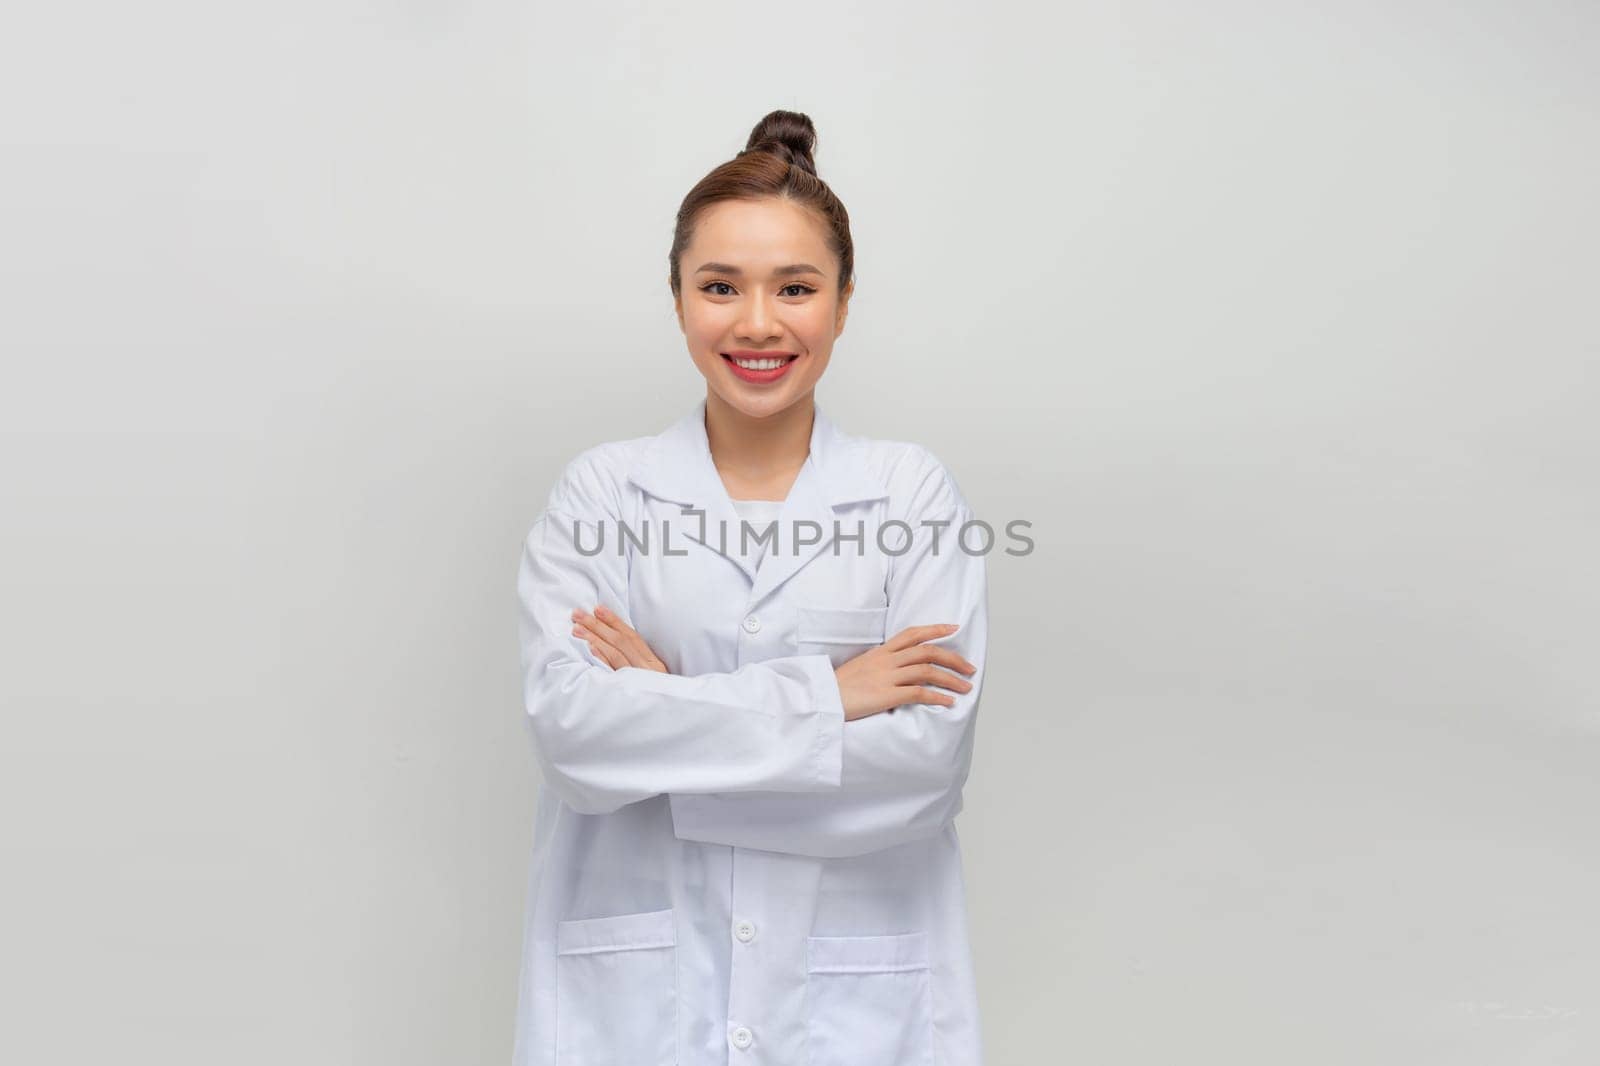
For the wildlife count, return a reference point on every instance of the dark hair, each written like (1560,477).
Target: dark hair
(776,162)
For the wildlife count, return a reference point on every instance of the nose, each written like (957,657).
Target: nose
(758,323)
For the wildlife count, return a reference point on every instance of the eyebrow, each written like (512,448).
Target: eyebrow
(783,271)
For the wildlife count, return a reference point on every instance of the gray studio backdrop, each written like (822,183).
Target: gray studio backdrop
(1276,320)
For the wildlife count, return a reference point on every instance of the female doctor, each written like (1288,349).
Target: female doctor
(752,649)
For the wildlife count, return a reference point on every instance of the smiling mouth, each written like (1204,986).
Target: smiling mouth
(766,362)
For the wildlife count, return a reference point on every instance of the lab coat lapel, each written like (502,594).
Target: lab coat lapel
(678,467)
(805,512)
(835,474)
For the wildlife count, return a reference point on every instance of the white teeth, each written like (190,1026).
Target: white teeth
(761,364)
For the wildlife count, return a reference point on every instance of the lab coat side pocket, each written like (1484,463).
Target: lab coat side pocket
(869,999)
(617,990)
(840,633)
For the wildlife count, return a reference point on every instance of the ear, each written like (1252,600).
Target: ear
(677,306)
(844,308)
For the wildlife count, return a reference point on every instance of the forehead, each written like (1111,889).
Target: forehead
(758,233)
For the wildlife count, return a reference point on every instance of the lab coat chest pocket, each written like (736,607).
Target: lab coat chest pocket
(869,999)
(840,633)
(617,990)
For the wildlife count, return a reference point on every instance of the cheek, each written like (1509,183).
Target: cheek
(815,326)
(706,320)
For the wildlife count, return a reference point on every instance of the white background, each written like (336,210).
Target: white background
(1277,320)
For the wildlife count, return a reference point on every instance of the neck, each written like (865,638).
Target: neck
(754,450)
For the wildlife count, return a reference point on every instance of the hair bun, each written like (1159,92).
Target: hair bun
(789,135)
(775,163)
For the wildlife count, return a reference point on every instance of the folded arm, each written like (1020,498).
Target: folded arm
(605,738)
(903,771)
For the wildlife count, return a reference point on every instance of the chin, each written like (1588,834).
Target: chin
(755,407)
(760,406)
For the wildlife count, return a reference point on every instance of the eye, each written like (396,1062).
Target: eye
(805,290)
(708,286)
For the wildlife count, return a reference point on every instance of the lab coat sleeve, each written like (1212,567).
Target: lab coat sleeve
(605,738)
(903,770)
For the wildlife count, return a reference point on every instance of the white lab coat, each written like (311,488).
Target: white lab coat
(724,869)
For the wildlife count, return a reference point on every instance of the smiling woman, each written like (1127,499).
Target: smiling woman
(752,763)
(768,250)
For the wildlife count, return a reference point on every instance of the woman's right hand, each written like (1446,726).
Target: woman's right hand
(899,671)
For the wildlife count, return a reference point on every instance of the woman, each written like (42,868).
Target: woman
(753,735)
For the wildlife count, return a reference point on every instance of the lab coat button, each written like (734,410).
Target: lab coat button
(745,931)
(742,1038)
(752,624)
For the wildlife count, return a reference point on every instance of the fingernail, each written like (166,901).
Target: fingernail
(601,612)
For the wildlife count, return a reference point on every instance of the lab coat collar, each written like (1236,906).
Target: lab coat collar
(677,466)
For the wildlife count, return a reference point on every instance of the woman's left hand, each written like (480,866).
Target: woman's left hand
(614,641)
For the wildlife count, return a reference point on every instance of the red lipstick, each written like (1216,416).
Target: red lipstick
(759,377)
